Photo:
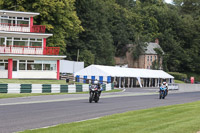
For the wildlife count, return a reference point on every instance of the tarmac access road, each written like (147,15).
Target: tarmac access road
(18,114)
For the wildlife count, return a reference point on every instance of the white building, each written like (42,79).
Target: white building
(23,51)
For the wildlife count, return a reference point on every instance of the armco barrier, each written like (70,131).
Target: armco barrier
(48,88)
(189,87)
(173,86)
(3,88)
(26,88)
(64,88)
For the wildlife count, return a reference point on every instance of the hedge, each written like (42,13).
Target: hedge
(178,76)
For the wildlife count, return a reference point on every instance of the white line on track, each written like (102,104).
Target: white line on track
(80,98)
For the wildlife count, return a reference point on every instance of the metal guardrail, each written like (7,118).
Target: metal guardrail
(173,86)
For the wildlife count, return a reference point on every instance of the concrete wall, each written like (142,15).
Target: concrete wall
(35,74)
(189,87)
(3,73)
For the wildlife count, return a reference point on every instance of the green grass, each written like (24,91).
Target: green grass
(179,81)
(183,118)
(33,81)
(9,95)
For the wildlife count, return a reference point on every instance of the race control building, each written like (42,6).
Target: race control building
(23,51)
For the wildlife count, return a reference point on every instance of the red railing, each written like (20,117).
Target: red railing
(51,50)
(22,27)
(14,27)
(9,24)
(38,28)
(32,50)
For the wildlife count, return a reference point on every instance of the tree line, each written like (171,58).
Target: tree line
(100,29)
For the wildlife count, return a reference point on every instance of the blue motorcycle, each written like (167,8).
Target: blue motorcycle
(163,92)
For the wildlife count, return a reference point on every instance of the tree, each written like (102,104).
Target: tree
(87,57)
(157,63)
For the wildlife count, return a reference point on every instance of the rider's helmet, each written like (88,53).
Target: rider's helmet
(96,82)
(164,83)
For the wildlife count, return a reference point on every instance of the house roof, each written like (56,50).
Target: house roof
(100,70)
(150,48)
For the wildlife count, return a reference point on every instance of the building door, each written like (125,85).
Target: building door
(15,68)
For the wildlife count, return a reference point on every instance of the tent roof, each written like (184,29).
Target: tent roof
(100,70)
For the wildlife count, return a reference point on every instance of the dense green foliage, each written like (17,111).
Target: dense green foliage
(178,76)
(100,29)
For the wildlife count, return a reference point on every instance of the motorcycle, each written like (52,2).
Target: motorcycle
(163,92)
(95,92)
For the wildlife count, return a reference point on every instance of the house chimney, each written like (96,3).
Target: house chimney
(157,41)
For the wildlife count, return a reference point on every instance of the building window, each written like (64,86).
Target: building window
(2,41)
(34,66)
(22,64)
(151,58)
(37,65)
(155,57)
(147,58)
(15,21)
(3,64)
(49,65)
(21,42)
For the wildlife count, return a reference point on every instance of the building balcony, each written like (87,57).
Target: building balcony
(29,50)
(22,28)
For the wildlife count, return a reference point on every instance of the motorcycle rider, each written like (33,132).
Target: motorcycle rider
(165,85)
(96,83)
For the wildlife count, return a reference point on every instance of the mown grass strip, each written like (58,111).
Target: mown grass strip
(9,95)
(182,118)
(34,81)
(179,81)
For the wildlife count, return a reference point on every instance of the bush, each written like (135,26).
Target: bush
(195,75)
(178,76)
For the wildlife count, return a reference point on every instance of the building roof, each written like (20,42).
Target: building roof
(150,48)
(100,70)
(24,34)
(33,57)
(18,13)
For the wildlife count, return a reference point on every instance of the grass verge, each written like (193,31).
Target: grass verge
(179,81)
(9,95)
(183,118)
(32,81)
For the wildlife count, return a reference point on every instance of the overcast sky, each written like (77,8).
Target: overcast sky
(168,1)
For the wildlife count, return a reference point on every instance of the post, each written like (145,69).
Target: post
(149,82)
(10,68)
(132,83)
(44,46)
(31,24)
(119,82)
(58,69)
(128,82)
(124,82)
(77,54)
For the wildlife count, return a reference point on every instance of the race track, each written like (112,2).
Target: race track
(18,114)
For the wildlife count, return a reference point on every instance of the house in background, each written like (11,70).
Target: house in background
(144,61)
(23,51)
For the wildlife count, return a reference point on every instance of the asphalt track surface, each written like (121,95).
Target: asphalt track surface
(18,114)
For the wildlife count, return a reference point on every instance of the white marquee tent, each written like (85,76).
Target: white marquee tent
(106,71)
